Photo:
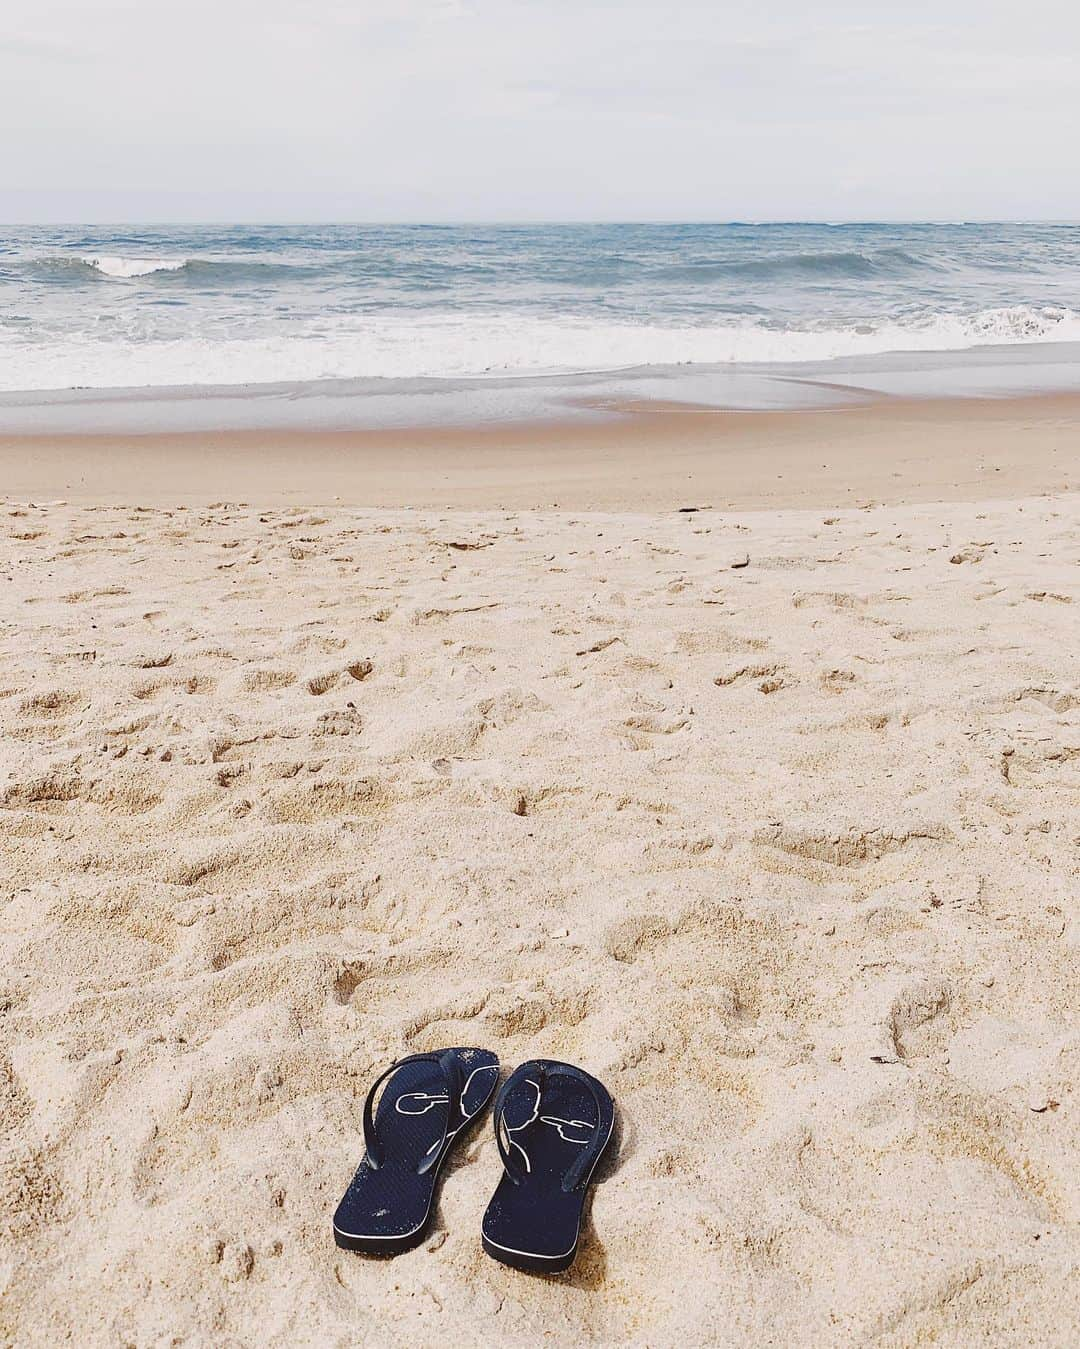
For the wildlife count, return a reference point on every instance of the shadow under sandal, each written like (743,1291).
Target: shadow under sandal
(552,1124)
(429,1102)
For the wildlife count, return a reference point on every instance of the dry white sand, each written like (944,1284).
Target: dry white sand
(786,853)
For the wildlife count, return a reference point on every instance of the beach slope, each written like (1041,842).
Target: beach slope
(768,819)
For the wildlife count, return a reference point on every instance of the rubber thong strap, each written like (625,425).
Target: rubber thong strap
(534,1075)
(451,1070)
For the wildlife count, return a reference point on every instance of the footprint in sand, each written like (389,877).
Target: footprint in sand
(770,678)
(837,681)
(342,721)
(849,847)
(54,703)
(323,683)
(910,1009)
(268,680)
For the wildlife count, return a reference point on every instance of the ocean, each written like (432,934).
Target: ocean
(129,307)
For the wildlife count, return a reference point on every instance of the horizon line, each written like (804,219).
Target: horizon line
(465,222)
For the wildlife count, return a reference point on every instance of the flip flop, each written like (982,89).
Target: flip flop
(552,1124)
(429,1102)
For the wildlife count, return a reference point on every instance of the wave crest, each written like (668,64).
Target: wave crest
(116,267)
(801,266)
(128,268)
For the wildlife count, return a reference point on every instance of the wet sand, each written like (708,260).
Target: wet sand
(893,451)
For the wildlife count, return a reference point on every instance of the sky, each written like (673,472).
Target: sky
(538,109)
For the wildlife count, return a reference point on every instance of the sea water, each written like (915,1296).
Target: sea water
(125,307)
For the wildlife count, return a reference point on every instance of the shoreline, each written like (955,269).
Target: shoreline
(647,456)
(527,398)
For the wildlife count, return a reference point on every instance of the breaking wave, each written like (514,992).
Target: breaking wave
(503,345)
(220,273)
(128,268)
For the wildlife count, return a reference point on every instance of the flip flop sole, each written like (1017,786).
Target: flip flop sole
(529,1261)
(390,1209)
(549,1113)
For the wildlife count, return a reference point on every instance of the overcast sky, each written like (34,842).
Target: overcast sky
(535,109)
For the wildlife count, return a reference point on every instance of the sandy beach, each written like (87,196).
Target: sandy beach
(766,813)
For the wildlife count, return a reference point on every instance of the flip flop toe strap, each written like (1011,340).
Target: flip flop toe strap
(451,1071)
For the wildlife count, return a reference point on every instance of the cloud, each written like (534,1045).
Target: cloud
(552,107)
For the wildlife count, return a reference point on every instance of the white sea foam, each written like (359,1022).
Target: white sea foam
(494,344)
(127,268)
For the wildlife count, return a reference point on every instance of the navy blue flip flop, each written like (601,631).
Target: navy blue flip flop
(552,1124)
(429,1102)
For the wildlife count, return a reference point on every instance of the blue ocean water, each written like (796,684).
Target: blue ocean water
(109,307)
